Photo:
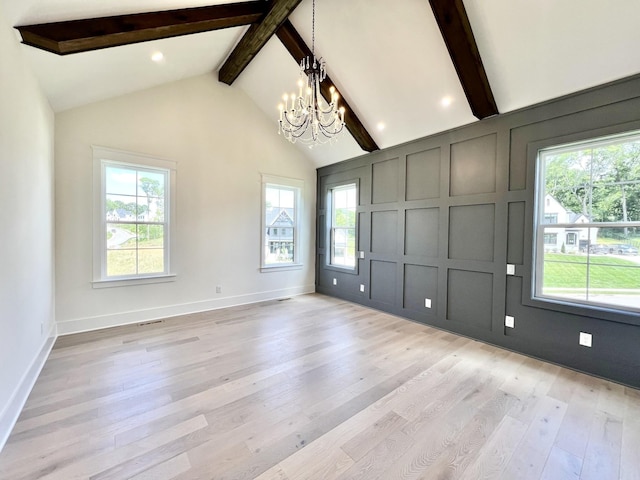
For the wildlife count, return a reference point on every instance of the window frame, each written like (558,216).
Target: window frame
(535,226)
(297,186)
(103,157)
(330,228)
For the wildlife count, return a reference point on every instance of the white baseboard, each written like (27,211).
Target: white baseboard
(9,416)
(79,325)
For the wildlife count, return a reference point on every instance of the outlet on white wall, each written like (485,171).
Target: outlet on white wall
(585,339)
(509,321)
(218,289)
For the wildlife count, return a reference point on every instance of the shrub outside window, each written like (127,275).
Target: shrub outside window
(588,223)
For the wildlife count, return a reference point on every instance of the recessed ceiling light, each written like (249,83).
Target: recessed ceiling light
(446,101)
(381,126)
(157,57)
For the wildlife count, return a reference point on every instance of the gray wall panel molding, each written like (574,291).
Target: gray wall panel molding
(385,179)
(384,228)
(420,284)
(515,233)
(457,258)
(473,166)
(421,231)
(422,174)
(467,294)
(472,232)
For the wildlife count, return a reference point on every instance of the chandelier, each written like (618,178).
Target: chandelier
(307,116)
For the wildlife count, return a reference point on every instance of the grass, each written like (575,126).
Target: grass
(604,272)
(150,259)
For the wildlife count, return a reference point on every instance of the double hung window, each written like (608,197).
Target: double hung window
(133,216)
(281,207)
(588,223)
(343,225)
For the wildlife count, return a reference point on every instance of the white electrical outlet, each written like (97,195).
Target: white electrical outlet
(585,339)
(427,303)
(218,289)
(361,287)
(511,269)
(509,321)
(361,254)
(335,281)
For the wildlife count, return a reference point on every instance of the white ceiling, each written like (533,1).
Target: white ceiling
(387,58)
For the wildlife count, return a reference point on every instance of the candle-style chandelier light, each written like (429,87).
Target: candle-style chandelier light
(307,117)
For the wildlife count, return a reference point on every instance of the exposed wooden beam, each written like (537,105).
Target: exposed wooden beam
(255,38)
(95,33)
(456,30)
(293,42)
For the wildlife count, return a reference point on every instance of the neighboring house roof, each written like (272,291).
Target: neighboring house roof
(576,217)
(120,214)
(571,217)
(276,217)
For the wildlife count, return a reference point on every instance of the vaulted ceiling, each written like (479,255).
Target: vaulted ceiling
(406,69)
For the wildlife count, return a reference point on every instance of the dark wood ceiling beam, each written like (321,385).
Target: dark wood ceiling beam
(293,42)
(255,38)
(76,36)
(456,30)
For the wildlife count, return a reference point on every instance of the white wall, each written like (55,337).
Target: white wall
(222,143)
(26,228)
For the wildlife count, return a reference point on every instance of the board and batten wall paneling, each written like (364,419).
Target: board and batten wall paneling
(440,218)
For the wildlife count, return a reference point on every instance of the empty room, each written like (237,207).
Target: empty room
(319,239)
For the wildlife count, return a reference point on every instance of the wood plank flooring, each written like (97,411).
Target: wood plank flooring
(314,388)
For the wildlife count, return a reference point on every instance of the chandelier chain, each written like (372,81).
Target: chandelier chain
(313,28)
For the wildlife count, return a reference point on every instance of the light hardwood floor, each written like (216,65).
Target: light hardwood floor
(314,388)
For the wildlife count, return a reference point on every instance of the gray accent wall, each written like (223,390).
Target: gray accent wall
(440,218)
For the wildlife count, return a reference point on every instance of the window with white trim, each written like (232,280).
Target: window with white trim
(133,216)
(587,232)
(344,202)
(281,209)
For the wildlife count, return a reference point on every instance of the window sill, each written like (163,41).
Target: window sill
(593,310)
(280,268)
(340,268)
(124,282)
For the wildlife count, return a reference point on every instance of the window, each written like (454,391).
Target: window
(133,211)
(281,207)
(588,223)
(343,225)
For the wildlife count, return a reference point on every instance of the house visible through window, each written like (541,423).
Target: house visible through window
(343,225)
(133,216)
(588,223)
(550,238)
(280,222)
